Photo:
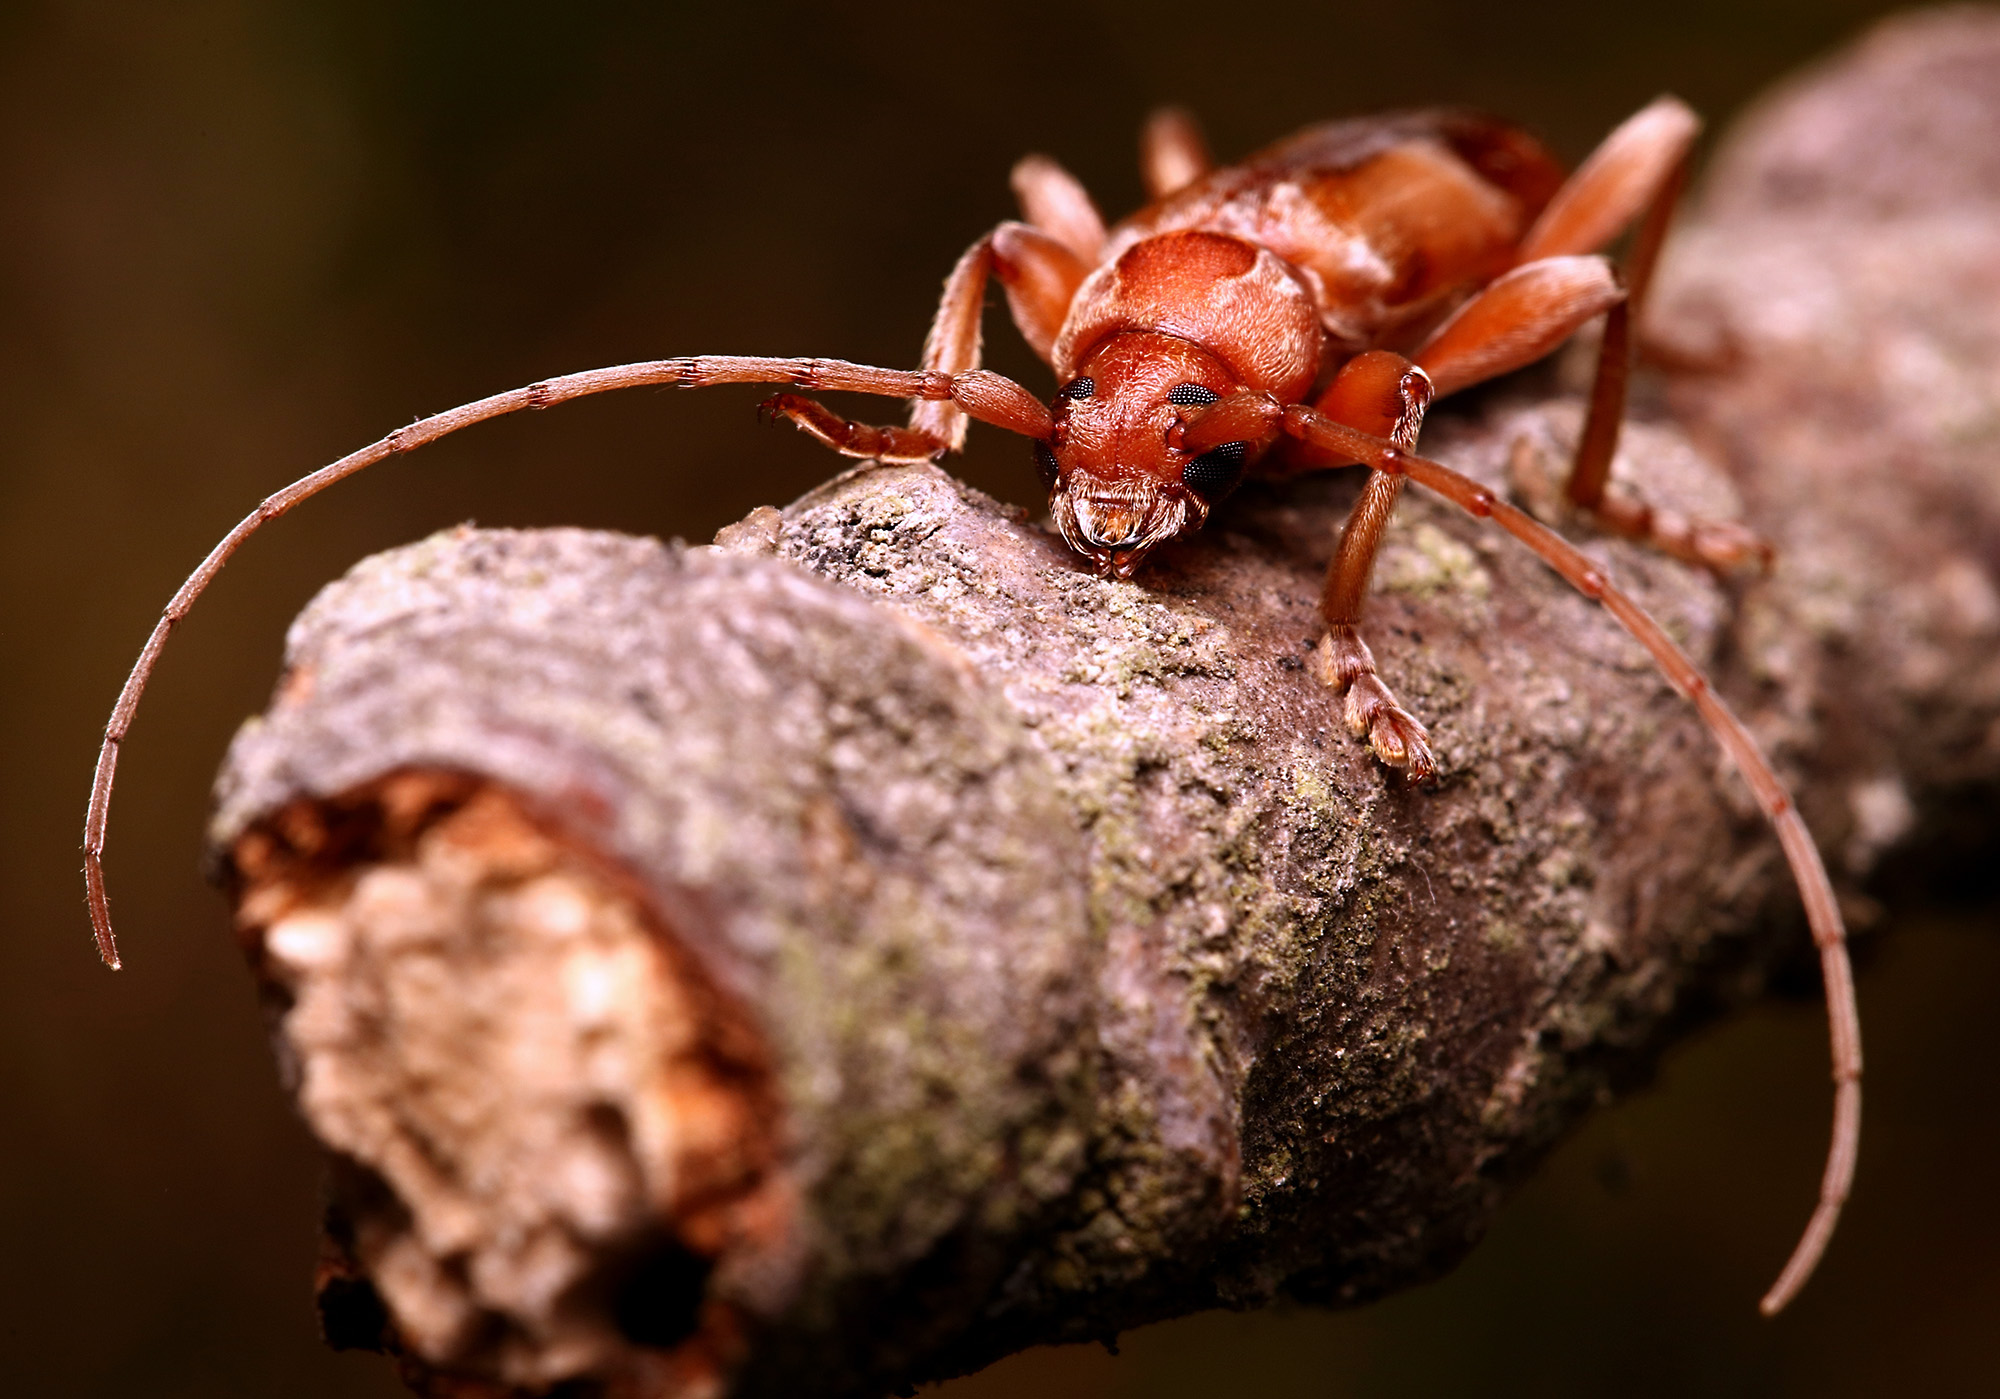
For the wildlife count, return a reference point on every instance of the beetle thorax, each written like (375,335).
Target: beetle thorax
(1241,303)
(1175,322)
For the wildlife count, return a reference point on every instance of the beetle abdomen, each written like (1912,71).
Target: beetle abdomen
(1388,222)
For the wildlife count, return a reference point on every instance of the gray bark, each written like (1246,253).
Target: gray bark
(842,955)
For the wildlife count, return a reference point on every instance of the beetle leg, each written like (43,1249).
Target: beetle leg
(1382,394)
(866,441)
(1524,315)
(1625,177)
(1518,318)
(1637,173)
(1039,274)
(1172,154)
(1723,546)
(1055,202)
(951,347)
(1808,871)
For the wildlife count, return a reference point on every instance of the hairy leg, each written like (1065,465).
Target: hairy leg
(1039,273)
(1382,394)
(1822,911)
(1724,547)
(1518,318)
(1055,202)
(1637,173)
(952,347)
(1616,183)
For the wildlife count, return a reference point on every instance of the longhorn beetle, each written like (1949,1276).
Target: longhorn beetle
(1296,312)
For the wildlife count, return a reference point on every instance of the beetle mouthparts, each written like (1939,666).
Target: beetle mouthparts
(1116,528)
(1116,563)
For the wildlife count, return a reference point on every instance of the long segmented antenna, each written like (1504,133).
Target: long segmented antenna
(1822,912)
(981,393)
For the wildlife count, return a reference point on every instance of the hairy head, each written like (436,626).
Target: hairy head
(1128,464)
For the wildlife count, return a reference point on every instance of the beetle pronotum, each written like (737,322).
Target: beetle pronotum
(1295,312)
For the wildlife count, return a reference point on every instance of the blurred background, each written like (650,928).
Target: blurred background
(239,239)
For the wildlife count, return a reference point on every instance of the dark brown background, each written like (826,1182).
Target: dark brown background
(237,240)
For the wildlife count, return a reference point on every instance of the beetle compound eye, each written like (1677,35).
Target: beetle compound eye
(1081,387)
(1213,475)
(1045,462)
(1185,395)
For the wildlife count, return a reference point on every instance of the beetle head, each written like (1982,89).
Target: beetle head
(1148,436)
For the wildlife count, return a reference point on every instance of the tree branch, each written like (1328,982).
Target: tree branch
(844,955)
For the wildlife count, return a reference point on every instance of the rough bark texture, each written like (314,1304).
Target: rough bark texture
(843,955)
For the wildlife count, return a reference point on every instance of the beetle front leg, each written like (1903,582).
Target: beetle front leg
(1385,395)
(868,441)
(1815,889)
(951,347)
(1040,274)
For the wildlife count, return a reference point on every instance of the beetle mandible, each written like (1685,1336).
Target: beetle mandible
(1296,312)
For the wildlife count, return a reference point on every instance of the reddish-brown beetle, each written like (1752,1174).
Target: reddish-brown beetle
(1295,312)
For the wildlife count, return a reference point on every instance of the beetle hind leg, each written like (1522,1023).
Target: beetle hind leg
(1723,546)
(1635,176)
(1172,154)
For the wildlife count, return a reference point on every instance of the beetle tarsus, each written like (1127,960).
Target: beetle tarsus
(1724,547)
